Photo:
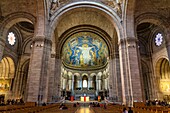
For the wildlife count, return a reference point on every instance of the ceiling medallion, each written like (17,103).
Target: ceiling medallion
(158,39)
(11,38)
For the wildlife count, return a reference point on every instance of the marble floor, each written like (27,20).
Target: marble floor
(85,109)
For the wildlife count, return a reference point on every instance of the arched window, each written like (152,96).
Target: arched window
(84,83)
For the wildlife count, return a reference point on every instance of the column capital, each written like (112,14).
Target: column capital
(131,39)
(42,39)
(127,40)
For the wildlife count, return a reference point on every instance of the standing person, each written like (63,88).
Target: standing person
(125,110)
(130,110)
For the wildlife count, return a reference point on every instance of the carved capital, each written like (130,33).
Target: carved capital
(42,40)
(131,39)
(39,39)
(53,55)
(121,41)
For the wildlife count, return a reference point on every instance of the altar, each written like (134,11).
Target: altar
(84,99)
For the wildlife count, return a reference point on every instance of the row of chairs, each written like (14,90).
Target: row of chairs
(138,108)
(27,108)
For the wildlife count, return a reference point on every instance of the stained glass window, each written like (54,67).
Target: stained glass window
(11,38)
(158,39)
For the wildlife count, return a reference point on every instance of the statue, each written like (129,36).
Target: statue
(54,5)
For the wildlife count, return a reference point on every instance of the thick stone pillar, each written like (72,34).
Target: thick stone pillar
(51,77)
(134,69)
(57,79)
(126,87)
(113,76)
(130,75)
(37,75)
(113,90)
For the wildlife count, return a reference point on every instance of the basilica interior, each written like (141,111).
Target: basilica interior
(115,49)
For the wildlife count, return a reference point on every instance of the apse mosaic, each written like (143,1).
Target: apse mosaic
(85,49)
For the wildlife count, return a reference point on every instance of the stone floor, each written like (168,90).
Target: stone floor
(84,110)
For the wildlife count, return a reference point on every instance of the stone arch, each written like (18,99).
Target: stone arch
(104,10)
(13,18)
(7,74)
(93,5)
(129,18)
(70,74)
(76,74)
(99,75)
(8,67)
(65,74)
(153,18)
(27,44)
(93,74)
(162,70)
(12,57)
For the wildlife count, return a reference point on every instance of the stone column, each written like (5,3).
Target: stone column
(113,90)
(57,76)
(130,75)
(99,84)
(168,43)
(81,83)
(70,83)
(78,82)
(72,88)
(64,83)
(126,88)
(37,75)
(21,83)
(90,82)
(105,83)
(17,81)
(50,80)
(2,45)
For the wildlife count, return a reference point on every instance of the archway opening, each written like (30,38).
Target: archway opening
(163,79)
(7,72)
(85,82)
(151,42)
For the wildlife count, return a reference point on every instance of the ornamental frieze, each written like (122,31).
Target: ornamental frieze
(115,5)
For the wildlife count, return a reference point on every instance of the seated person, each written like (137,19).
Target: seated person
(74,105)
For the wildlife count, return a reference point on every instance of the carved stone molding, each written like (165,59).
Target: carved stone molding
(42,39)
(116,6)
